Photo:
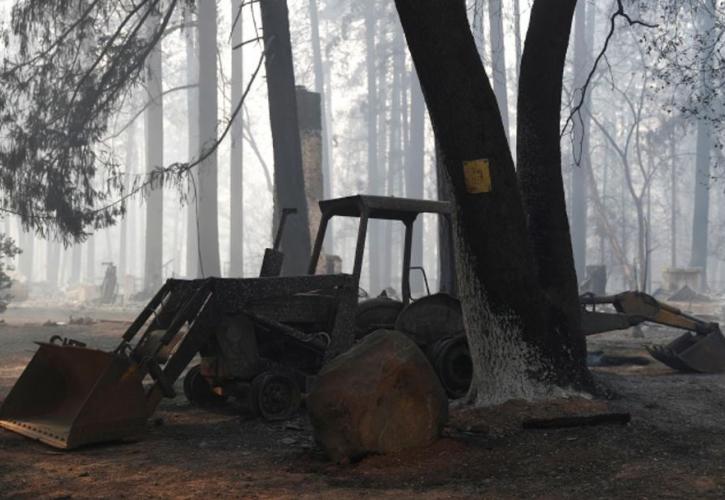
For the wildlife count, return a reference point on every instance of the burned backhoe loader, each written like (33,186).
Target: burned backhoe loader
(700,349)
(259,340)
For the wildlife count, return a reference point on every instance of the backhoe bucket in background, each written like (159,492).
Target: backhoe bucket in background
(693,353)
(69,396)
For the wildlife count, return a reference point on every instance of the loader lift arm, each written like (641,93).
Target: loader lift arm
(703,352)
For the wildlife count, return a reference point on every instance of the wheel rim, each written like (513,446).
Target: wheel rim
(278,397)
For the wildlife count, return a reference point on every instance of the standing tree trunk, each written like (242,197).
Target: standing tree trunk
(52,260)
(91,260)
(580,146)
(321,87)
(539,172)
(376,251)
(414,171)
(698,257)
(75,268)
(236,162)
(673,198)
(394,162)
(27,258)
(498,60)
(521,343)
(130,168)
(192,118)
(288,174)
(208,225)
(517,38)
(154,130)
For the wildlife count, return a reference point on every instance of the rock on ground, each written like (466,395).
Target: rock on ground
(381,396)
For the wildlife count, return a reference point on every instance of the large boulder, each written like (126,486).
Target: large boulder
(381,396)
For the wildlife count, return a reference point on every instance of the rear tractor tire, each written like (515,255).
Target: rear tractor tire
(276,395)
(451,360)
(198,390)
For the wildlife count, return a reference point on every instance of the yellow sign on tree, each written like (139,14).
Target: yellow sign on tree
(477,175)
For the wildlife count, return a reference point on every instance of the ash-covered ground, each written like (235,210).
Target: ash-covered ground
(672,448)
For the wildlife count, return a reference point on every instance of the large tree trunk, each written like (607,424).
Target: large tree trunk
(236,163)
(192,118)
(288,173)
(519,343)
(539,172)
(154,130)
(207,188)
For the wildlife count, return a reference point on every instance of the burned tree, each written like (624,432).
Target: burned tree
(521,318)
(288,174)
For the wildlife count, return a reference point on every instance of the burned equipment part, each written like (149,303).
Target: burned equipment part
(701,349)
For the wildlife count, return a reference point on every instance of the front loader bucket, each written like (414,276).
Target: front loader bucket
(693,353)
(69,396)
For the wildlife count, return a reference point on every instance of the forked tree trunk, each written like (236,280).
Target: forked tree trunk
(519,342)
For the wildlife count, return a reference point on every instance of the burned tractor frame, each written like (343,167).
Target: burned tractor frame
(259,340)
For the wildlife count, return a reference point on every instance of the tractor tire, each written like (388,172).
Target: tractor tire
(372,314)
(451,360)
(276,395)
(198,391)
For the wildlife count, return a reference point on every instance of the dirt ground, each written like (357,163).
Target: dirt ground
(673,447)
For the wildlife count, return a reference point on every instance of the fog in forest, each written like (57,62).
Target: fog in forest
(641,157)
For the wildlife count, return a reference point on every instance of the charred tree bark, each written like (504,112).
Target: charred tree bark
(446,252)
(236,161)
(519,342)
(539,172)
(288,174)
(207,187)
